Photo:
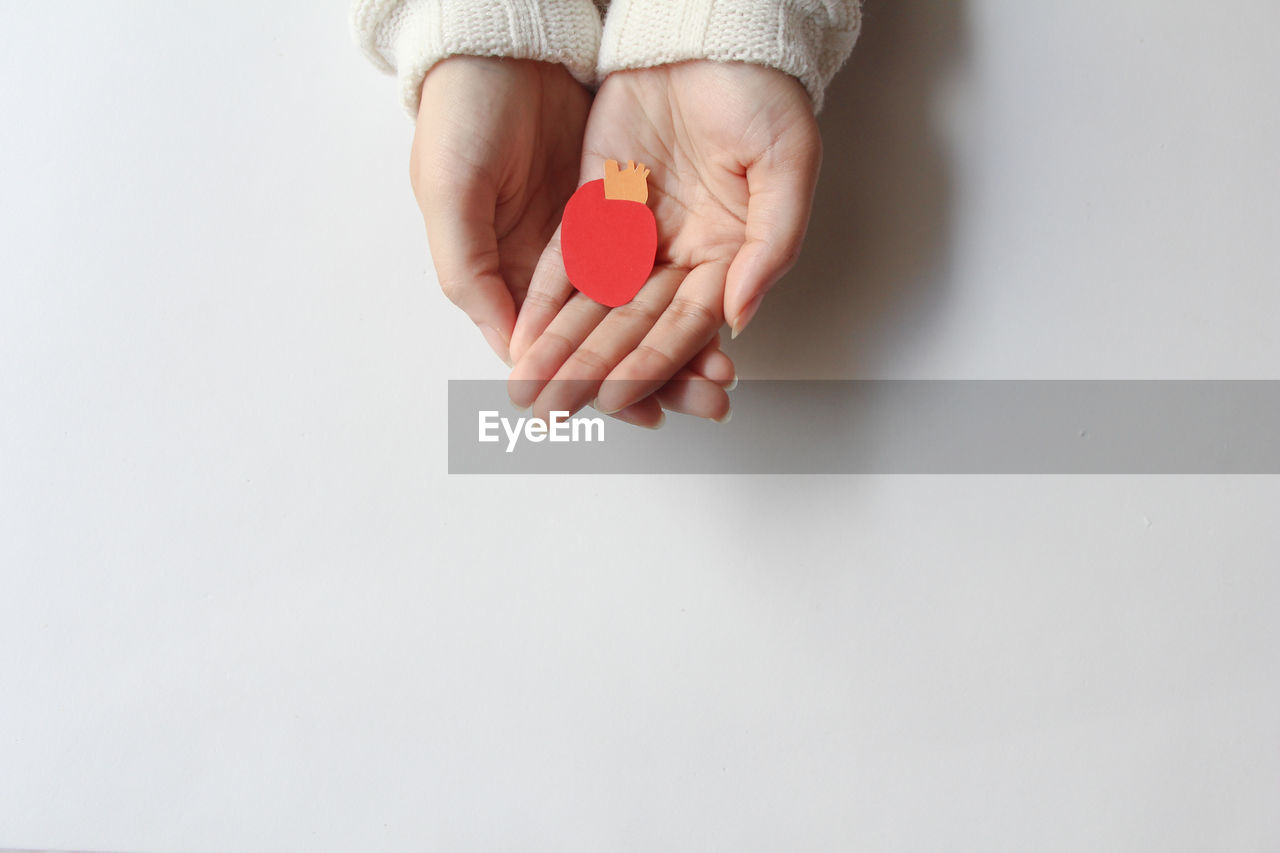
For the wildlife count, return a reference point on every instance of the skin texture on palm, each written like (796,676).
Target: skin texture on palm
(734,152)
(496,154)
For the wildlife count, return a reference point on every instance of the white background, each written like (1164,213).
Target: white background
(243,607)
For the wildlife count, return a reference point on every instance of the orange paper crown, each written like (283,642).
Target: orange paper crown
(628,183)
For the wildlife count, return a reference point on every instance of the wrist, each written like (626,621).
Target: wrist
(412,36)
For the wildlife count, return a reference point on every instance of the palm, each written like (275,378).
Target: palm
(496,155)
(679,125)
(733,151)
(539,166)
(510,138)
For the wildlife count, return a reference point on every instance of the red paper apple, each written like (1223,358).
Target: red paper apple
(608,236)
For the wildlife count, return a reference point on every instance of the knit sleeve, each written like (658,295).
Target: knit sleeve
(407,37)
(808,39)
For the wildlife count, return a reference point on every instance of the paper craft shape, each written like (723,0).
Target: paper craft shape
(608,236)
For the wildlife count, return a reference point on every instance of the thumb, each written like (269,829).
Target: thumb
(464,249)
(779,197)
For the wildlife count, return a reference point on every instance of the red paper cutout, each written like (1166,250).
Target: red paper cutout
(608,237)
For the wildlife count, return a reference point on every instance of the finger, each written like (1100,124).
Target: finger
(647,413)
(691,394)
(686,393)
(698,390)
(780,194)
(553,347)
(464,249)
(549,291)
(715,364)
(688,324)
(606,343)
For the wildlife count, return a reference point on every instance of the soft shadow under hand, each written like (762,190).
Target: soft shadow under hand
(873,267)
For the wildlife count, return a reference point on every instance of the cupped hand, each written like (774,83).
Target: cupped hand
(734,153)
(496,154)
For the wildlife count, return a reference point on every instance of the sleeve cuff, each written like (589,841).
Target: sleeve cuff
(409,36)
(808,40)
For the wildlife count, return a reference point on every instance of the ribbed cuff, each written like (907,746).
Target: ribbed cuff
(808,39)
(410,36)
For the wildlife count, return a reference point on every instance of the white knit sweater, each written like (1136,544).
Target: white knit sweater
(808,39)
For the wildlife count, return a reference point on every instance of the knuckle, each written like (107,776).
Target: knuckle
(655,358)
(693,316)
(592,362)
(454,289)
(541,300)
(552,338)
(552,258)
(635,310)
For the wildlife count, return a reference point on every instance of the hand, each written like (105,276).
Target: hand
(496,154)
(734,152)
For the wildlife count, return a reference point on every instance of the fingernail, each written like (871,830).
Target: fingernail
(662,419)
(523,393)
(728,416)
(733,384)
(496,342)
(745,315)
